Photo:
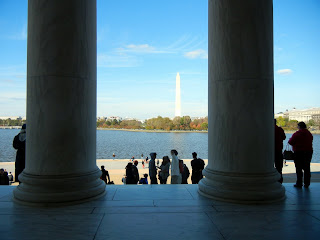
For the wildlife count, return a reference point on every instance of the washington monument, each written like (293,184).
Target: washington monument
(178,97)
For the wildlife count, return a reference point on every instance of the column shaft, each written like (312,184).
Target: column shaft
(241,129)
(61,104)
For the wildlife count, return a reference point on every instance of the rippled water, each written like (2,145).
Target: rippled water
(127,144)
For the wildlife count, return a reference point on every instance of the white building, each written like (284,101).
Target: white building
(304,115)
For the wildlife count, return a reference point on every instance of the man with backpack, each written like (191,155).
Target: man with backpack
(197,165)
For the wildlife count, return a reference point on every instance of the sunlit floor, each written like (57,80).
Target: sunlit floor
(164,212)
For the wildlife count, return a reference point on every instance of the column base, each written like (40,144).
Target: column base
(58,190)
(242,188)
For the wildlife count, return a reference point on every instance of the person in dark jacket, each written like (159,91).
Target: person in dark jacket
(4,180)
(301,142)
(197,165)
(135,171)
(19,143)
(130,179)
(279,136)
(185,174)
(105,175)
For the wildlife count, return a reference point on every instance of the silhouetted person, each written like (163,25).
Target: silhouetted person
(104,175)
(144,180)
(19,143)
(197,165)
(279,136)
(4,180)
(152,168)
(10,176)
(130,179)
(301,142)
(185,173)
(164,170)
(175,170)
(135,171)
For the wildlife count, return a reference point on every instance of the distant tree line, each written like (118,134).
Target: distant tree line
(158,123)
(12,122)
(287,124)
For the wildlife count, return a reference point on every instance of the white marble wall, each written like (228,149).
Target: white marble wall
(241,130)
(61,103)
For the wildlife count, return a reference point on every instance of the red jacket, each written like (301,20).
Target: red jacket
(279,136)
(301,140)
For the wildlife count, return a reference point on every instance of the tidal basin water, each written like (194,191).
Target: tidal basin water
(126,144)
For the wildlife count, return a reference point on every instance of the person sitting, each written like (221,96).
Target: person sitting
(144,180)
(104,175)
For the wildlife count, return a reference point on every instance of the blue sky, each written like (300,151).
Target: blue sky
(142,45)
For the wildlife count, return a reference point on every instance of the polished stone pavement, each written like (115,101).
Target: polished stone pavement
(164,212)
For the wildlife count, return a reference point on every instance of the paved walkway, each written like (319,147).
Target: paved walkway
(164,212)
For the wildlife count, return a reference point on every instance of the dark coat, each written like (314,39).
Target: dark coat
(21,155)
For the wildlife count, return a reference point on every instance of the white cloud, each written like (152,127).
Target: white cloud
(200,53)
(140,48)
(284,71)
(116,61)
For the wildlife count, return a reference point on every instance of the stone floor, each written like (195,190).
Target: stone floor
(164,212)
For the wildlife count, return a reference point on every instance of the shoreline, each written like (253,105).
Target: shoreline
(317,132)
(116,169)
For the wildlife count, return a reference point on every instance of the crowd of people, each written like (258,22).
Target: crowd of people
(301,142)
(175,168)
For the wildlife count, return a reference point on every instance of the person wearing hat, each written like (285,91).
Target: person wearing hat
(197,165)
(153,169)
(19,143)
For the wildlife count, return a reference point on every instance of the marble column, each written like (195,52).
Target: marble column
(241,129)
(61,105)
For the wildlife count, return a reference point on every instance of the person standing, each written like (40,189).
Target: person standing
(135,171)
(19,143)
(301,142)
(164,170)
(175,170)
(152,168)
(197,165)
(130,179)
(4,180)
(104,175)
(279,136)
(185,173)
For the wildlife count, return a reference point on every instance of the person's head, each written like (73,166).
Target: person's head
(145,175)
(102,167)
(302,125)
(165,160)
(174,152)
(153,155)
(1,171)
(24,126)
(129,165)
(194,155)
(135,162)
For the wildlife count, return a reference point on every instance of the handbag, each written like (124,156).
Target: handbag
(288,153)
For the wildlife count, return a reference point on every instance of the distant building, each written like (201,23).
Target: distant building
(304,115)
(114,118)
